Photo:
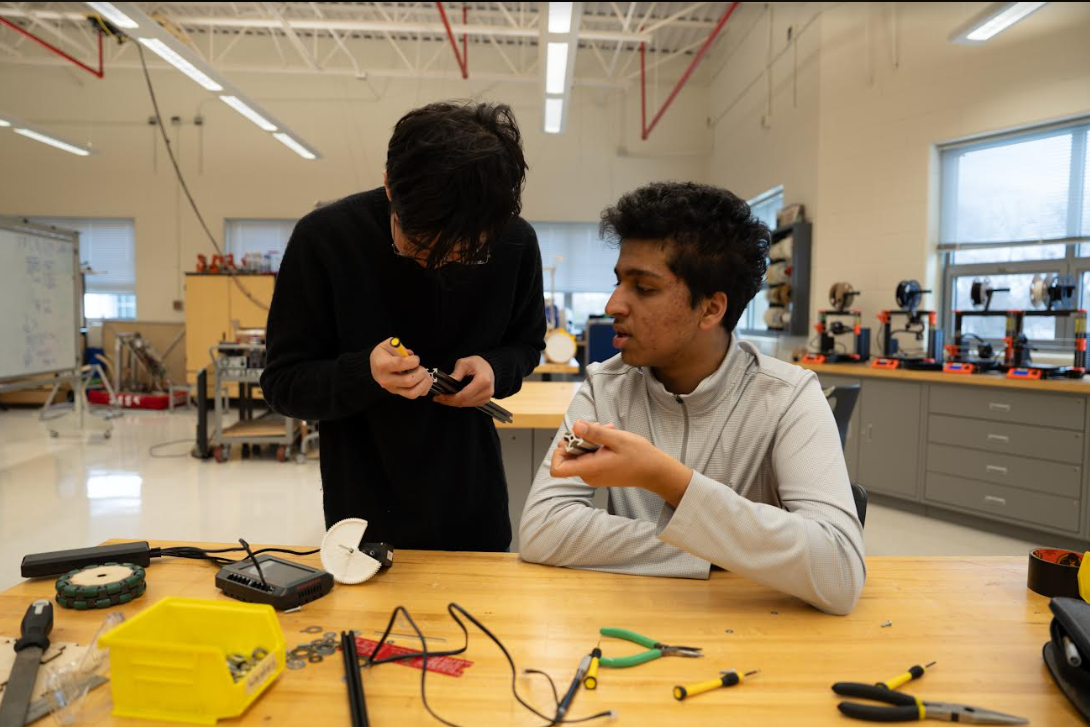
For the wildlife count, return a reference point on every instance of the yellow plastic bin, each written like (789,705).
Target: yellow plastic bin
(169,662)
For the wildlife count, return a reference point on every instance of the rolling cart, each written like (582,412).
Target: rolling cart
(242,363)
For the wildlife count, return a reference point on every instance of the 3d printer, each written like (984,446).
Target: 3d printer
(918,323)
(831,325)
(1057,296)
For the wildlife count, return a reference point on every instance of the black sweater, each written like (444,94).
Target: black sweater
(422,474)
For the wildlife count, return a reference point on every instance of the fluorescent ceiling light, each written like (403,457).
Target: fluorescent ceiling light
(30,133)
(556,67)
(115,16)
(992,21)
(560,17)
(554,114)
(170,56)
(236,103)
(4,123)
(295,146)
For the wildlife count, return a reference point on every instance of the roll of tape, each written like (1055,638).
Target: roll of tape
(1054,572)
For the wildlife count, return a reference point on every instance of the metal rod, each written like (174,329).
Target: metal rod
(453,43)
(685,76)
(99,73)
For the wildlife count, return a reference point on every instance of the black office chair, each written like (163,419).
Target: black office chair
(842,399)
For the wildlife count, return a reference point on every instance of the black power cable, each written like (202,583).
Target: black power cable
(454,609)
(185,187)
(214,556)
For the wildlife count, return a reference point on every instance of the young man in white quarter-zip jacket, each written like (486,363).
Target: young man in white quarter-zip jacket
(713,453)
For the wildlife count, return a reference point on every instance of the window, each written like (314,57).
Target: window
(764,207)
(108,248)
(582,263)
(265,238)
(1012,207)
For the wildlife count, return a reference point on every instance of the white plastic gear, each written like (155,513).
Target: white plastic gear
(341,555)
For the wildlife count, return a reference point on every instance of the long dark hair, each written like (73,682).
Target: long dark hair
(455,174)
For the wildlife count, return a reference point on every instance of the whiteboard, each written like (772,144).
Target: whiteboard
(40,302)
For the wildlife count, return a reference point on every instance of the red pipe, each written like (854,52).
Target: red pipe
(99,73)
(465,47)
(643,89)
(685,76)
(453,43)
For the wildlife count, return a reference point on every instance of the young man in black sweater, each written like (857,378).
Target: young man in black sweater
(439,258)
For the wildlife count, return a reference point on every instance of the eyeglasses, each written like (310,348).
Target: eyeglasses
(447,261)
(418,259)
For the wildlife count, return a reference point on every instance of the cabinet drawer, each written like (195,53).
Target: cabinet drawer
(1004,405)
(1007,503)
(1059,445)
(1022,472)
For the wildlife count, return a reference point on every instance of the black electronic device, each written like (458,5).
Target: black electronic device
(382,552)
(279,583)
(60,562)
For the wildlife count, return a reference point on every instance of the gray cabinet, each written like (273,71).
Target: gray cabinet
(889,437)
(851,442)
(517,446)
(1012,456)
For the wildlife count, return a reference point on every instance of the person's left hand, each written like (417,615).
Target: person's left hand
(624,460)
(479,391)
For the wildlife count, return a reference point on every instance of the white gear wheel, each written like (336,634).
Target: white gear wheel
(341,555)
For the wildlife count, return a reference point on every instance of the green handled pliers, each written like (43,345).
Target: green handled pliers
(655,649)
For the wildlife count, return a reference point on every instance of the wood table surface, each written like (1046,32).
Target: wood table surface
(864,370)
(539,404)
(973,615)
(550,367)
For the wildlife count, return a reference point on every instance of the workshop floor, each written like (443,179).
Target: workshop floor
(75,491)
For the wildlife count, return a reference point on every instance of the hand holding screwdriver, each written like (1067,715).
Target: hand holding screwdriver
(397,370)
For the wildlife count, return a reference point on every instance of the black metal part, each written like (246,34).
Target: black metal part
(60,562)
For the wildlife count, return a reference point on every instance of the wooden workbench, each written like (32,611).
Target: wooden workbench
(1068,386)
(548,367)
(539,404)
(974,616)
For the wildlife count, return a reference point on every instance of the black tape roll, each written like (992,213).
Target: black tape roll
(1054,572)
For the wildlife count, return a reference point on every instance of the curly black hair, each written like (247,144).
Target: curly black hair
(455,173)
(715,243)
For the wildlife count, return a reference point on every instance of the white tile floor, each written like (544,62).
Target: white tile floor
(76,491)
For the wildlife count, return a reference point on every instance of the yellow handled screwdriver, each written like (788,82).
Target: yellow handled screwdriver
(728,679)
(901,679)
(396,343)
(590,681)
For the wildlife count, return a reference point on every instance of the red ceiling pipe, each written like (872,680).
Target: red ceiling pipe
(462,62)
(685,76)
(99,73)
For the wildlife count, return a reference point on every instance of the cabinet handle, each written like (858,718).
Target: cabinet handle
(999,406)
(996,500)
(869,428)
(999,438)
(996,468)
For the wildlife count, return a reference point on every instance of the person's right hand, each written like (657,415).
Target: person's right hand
(401,375)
